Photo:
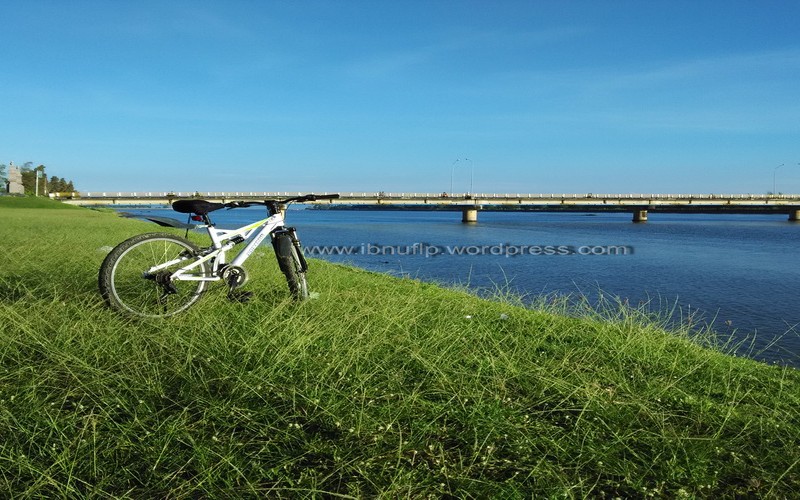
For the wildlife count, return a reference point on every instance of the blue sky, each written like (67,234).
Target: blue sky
(539,96)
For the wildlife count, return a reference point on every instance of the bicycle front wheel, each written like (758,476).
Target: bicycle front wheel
(296,277)
(135,280)
(291,265)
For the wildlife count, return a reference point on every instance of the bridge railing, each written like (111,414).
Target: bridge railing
(424,196)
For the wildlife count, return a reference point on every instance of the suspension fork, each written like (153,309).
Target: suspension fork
(283,240)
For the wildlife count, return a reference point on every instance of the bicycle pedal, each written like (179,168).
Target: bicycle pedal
(241,296)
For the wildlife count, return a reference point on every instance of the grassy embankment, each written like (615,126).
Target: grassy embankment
(379,386)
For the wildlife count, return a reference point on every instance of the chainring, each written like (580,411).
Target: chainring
(234,276)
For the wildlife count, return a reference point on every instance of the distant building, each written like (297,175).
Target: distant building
(14,182)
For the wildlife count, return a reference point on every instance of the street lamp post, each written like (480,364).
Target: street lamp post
(471,174)
(452,171)
(774,177)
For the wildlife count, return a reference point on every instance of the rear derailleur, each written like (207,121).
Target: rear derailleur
(162,279)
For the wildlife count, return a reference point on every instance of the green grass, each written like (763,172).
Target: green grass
(32,202)
(380,387)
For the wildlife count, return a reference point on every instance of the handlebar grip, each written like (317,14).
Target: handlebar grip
(326,196)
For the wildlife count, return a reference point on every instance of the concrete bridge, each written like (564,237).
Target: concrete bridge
(639,205)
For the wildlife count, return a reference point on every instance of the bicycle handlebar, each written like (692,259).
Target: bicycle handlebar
(310,197)
(293,199)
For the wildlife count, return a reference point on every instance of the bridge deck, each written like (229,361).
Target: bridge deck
(632,200)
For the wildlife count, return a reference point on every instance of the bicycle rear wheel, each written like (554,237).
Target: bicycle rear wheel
(129,283)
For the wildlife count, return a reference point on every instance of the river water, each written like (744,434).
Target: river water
(738,272)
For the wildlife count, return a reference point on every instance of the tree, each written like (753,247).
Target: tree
(31,176)
(54,186)
(29,180)
(41,187)
(3,175)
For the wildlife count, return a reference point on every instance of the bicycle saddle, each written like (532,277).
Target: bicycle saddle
(199,207)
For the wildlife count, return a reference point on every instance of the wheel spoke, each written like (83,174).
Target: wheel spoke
(125,284)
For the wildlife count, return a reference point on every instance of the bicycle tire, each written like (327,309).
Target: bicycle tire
(125,286)
(291,266)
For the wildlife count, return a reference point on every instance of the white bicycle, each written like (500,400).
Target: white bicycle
(160,274)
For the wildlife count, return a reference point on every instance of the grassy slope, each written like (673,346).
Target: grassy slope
(32,202)
(379,386)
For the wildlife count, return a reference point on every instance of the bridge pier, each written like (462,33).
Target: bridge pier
(469,215)
(640,216)
(794,215)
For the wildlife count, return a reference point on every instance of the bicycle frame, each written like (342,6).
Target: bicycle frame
(134,280)
(222,241)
